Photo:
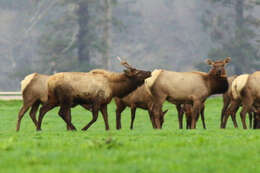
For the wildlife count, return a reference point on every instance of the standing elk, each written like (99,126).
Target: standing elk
(95,88)
(139,98)
(245,90)
(229,103)
(227,98)
(188,87)
(34,92)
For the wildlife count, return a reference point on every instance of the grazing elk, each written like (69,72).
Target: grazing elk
(188,87)
(245,90)
(139,98)
(34,91)
(95,88)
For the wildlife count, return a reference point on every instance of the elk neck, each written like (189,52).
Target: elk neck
(123,87)
(217,84)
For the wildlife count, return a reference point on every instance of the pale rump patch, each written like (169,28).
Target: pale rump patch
(150,81)
(26,81)
(238,84)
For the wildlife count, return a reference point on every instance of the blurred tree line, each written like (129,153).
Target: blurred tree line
(234,31)
(48,36)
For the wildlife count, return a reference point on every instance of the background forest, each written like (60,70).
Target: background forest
(48,36)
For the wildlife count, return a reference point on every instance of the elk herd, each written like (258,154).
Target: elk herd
(147,90)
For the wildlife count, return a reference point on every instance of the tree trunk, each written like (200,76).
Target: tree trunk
(83,34)
(107,32)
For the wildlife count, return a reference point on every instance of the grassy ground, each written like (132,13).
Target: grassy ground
(140,150)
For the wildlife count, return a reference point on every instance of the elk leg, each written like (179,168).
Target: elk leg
(22,111)
(65,114)
(250,119)
(119,109)
(243,117)
(254,121)
(247,104)
(231,110)
(188,122)
(226,102)
(43,110)
(180,115)
(224,122)
(152,118)
(195,111)
(202,117)
(157,109)
(104,114)
(133,109)
(233,116)
(94,117)
(33,111)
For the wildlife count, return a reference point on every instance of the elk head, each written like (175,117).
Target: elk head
(134,74)
(218,67)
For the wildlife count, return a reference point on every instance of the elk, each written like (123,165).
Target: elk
(139,98)
(34,92)
(229,103)
(188,87)
(227,97)
(95,88)
(245,90)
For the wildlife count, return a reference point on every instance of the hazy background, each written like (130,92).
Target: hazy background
(48,36)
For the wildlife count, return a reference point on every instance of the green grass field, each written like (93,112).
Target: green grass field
(140,150)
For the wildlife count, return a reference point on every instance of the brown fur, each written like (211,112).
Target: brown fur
(95,88)
(189,87)
(139,98)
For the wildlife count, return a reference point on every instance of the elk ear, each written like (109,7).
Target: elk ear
(227,60)
(209,62)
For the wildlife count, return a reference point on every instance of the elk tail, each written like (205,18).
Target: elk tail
(26,81)
(149,82)
(238,85)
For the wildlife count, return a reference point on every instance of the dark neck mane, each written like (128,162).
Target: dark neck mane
(216,84)
(124,87)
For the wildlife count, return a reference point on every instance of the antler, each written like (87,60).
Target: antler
(124,63)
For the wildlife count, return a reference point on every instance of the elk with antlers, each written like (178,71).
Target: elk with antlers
(95,88)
